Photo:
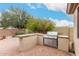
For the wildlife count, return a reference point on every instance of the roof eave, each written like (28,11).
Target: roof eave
(71,7)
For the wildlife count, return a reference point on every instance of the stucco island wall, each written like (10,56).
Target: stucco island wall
(26,42)
(30,40)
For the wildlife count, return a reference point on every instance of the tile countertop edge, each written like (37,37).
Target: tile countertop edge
(63,36)
(39,34)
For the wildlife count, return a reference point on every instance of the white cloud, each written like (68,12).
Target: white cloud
(38,5)
(61,23)
(56,6)
(32,7)
(51,6)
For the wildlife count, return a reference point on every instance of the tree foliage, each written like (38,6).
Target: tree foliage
(39,25)
(18,18)
(14,17)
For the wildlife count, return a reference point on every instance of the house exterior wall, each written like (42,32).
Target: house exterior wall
(75,18)
(76,40)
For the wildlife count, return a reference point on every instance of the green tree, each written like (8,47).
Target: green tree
(14,17)
(39,25)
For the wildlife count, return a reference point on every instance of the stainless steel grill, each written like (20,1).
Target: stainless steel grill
(51,39)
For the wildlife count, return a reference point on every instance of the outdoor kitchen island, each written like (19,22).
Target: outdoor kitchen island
(43,50)
(32,45)
(30,40)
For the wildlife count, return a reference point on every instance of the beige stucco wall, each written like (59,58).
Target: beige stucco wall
(9,45)
(40,39)
(20,43)
(12,44)
(37,39)
(76,40)
(63,43)
(27,43)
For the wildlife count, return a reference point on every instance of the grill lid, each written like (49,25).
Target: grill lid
(51,35)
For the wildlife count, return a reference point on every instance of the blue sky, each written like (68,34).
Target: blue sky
(53,12)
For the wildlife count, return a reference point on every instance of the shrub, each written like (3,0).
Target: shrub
(20,32)
(39,25)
